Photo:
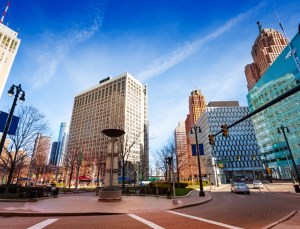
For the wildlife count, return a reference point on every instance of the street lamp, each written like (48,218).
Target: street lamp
(282,129)
(196,130)
(289,167)
(7,125)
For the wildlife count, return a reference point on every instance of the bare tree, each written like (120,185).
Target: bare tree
(21,145)
(126,144)
(70,159)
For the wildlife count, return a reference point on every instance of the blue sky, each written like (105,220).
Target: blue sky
(173,46)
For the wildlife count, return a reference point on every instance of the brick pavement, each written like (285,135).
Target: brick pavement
(88,204)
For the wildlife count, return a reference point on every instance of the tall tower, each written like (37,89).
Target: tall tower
(197,105)
(9,44)
(62,142)
(182,156)
(119,102)
(267,47)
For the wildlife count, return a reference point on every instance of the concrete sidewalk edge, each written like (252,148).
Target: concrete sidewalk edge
(285,218)
(39,214)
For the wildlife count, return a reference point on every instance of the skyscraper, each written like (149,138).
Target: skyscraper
(9,44)
(197,105)
(62,142)
(281,77)
(266,48)
(119,102)
(183,164)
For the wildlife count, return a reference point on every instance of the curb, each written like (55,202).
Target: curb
(194,204)
(48,214)
(40,214)
(285,218)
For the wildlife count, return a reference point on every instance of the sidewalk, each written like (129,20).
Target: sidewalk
(88,204)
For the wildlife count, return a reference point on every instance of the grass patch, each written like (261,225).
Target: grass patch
(182,191)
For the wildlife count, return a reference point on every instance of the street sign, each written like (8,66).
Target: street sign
(13,125)
(194,150)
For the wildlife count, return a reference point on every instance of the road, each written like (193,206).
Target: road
(226,210)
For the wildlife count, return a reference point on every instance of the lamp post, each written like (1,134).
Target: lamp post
(289,167)
(282,129)
(196,129)
(7,125)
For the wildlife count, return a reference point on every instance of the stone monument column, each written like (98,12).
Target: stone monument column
(111,190)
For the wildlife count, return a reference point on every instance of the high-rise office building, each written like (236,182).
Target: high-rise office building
(62,142)
(233,157)
(59,147)
(9,44)
(121,103)
(197,105)
(266,48)
(282,76)
(53,153)
(182,155)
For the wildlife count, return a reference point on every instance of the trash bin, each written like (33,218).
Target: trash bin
(54,192)
(297,188)
(97,190)
(33,195)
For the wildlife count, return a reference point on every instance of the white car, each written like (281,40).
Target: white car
(239,187)
(258,184)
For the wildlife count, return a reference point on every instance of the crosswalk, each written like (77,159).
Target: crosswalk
(163,220)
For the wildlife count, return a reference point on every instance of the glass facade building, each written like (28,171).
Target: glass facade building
(233,157)
(282,76)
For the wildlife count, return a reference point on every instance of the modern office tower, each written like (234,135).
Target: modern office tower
(282,76)
(53,153)
(182,155)
(197,105)
(121,103)
(62,142)
(233,157)
(58,148)
(267,47)
(9,44)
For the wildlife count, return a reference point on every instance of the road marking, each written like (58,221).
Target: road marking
(43,224)
(150,224)
(240,196)
(205,220)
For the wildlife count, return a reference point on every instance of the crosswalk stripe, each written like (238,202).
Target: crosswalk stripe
(150,224)
(43,224)
(205,220)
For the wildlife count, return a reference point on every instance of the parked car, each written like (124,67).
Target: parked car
(258,184)
(239,187)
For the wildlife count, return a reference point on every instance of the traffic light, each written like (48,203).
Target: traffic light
(254,157)
(211,139)
(238,158)
(225,130)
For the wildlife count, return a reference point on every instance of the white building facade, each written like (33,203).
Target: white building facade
(9,44)
(119,102)
(235,157)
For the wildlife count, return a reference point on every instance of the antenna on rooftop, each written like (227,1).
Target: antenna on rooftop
(4,13)
(259,26)
(292,51)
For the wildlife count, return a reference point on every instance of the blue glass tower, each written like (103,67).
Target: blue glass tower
(281,76)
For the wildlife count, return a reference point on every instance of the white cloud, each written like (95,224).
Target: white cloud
(57,48)
(183,52)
